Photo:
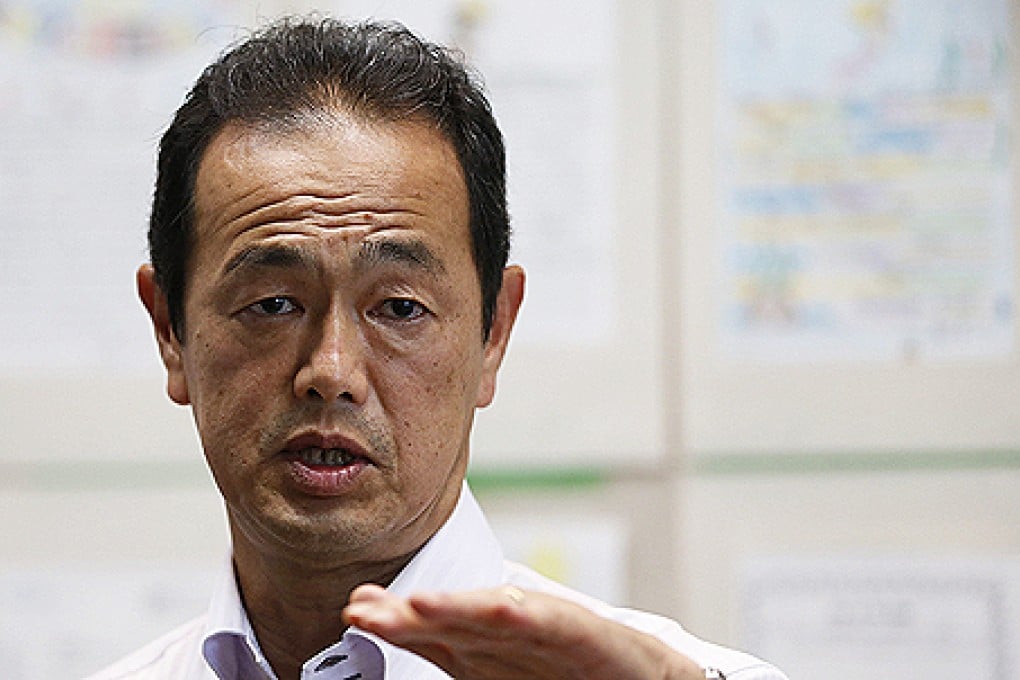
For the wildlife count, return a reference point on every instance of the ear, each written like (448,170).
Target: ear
(169,346)
(507,305)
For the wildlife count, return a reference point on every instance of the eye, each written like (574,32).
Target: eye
(402,309)
(274,306)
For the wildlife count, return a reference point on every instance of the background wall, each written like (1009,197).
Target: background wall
(830,496)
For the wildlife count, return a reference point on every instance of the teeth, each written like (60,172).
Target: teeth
(340,457)
(317,456)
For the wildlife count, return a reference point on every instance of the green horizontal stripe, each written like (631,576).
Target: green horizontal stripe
(536,478)
(822,462)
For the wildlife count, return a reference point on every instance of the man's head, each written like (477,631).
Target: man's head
(292,72)
(330,332)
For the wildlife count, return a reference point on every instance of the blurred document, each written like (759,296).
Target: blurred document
(70,622)
(587,552)
(87,89)
(866,206)
(853,619)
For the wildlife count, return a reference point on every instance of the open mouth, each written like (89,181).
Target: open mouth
(325,468)
(327,464)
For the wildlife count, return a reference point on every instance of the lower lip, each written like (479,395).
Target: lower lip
(326,480)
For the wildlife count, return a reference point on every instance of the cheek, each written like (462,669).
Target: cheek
(431,395)
(229,388)
(449,372)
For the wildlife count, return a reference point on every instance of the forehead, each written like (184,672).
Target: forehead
(336,172)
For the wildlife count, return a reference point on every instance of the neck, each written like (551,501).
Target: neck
(295,610)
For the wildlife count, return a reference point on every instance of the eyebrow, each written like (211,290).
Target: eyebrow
(371,254)
(275,255)
(413,253)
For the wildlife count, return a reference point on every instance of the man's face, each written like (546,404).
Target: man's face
(333,351)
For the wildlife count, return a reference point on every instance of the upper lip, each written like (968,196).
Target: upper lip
(325,440)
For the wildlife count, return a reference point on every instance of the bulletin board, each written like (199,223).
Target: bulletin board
(849,227)
(88,89)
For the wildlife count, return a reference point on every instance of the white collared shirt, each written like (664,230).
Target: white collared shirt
(462,555)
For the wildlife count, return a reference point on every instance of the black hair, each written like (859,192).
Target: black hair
(295,68)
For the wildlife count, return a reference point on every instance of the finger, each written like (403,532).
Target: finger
(441,640)
(508,612)
(375,610)
(506,606)
(369,592)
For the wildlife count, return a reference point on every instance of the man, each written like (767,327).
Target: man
(329,291)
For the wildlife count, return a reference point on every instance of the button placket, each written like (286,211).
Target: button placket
(354,658)
(330,661)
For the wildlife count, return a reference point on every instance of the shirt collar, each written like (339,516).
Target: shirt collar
(462,555)
(229,645)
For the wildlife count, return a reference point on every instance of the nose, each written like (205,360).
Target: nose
(333,367)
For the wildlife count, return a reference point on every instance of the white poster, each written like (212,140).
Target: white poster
(64,622)
(89,87)
(847,619)
(866,208)
(587,552)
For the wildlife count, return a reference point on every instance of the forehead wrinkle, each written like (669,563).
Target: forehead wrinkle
(324,211)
